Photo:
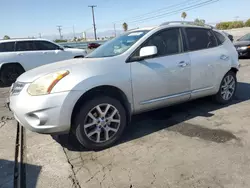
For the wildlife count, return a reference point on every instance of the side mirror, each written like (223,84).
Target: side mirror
(148,51)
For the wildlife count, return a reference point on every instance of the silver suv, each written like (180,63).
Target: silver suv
(139,71)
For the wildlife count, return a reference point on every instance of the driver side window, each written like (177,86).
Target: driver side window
(168,42)
(44,45)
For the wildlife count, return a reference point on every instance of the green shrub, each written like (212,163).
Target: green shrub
(223,25)
(237,24)
(230,25)
(247,23)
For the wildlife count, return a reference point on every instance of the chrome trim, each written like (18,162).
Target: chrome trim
(202,89)
(175,95)
(166,97)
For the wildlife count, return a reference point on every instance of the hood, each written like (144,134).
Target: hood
(69,65)
(242,43)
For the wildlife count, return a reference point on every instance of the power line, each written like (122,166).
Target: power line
(159,13)
(161,10)
(176,11)
(173,9)
(59,27)
(93,15)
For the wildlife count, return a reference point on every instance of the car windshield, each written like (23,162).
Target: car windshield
(117,45)
(245,37)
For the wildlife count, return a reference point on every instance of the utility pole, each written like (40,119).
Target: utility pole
(74,32)
(93,15)
(40,36)
(59,27)
(114,29)
(85,35)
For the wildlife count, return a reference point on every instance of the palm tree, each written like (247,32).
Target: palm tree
(125,26)
(6,37)
(184,15)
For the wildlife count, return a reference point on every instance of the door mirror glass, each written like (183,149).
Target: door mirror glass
(148,51)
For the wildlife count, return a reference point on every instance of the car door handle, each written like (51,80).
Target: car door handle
(19,53)
(183,64)
(224,57)
(45,52)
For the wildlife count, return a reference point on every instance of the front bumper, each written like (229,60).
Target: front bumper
(44,114)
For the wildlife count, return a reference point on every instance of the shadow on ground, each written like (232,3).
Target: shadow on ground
(7,174)
(173,119)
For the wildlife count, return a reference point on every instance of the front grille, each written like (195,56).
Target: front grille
(16,88)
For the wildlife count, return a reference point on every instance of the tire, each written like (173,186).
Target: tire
(220,97)
(109,129)
(10,72)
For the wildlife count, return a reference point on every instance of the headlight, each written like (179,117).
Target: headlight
(45,84)
(243,47)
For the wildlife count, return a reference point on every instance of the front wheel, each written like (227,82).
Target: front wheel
(100,123)
(9,73)
(227,89)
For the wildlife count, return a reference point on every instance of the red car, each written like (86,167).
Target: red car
(93,45)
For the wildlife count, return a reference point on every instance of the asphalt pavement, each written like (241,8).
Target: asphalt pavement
(196,144)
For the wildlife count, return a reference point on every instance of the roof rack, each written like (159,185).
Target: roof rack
(186,22)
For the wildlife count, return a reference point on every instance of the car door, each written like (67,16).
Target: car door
(27,55)
(164,79)
(205,58)
(51,52)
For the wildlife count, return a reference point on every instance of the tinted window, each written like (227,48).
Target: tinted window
(168,42)
(44,45)
(220,37)
(25,46)
(200,39)
(7,47)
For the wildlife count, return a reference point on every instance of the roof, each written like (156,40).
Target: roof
(22,39)
(173,24)
(187,24)
(143,28)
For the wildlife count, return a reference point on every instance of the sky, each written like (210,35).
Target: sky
(26,18)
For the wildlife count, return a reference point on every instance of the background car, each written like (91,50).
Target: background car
(243,46)
(229,36)
(93,45)
(20,55)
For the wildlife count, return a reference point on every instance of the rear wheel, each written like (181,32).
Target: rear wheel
(100,123)
(10,72)
(228,88)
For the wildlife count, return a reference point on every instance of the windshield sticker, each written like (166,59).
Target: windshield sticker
(135,34)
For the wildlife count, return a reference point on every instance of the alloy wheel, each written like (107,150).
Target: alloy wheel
(102,123)
(228,87)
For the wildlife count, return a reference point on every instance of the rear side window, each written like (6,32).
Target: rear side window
(199,39)
(44,45)
(25,46)
(7,47)
(220,37)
